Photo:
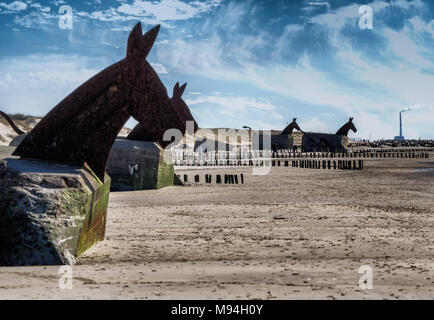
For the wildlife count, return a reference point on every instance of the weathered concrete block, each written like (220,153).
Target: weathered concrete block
(50,213)
(138,165)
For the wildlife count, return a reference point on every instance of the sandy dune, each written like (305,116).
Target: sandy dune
(295,233)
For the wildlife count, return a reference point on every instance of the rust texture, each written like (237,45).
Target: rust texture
(142,131)
(83,127)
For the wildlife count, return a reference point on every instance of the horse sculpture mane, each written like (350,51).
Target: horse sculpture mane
(83,127)
(343,131)
(289,128)
(141,131)
(9,120)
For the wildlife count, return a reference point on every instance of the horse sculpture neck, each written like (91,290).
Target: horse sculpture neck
(83,127)
(293,125)
(9,120)
(343,131)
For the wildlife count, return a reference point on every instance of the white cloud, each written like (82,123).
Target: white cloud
(153,12)
(314,125)
(123,29)
(36,83)
(401,44)
(371,126)
(235,103)
(163,10)
(420,26)
(236,109)
(14,6)
(37,19)
(58,2)
(159,68)
(336,19)
(40,7)
(376,90)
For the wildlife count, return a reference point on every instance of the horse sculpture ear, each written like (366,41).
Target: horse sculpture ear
(139,45)
(181,90)
(149,39)
(178,91)
(351,119)
(175,90)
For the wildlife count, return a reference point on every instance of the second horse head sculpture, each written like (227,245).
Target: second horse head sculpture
(289,128)
(142,133)
(343,131)
(83,127)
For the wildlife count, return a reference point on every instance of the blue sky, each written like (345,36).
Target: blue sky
(255,63)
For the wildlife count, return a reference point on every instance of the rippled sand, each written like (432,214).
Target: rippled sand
(295,233)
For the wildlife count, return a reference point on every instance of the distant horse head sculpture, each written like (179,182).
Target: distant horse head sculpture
(343,131)
(9,120)
(289,128)
(83,127)
(142,133)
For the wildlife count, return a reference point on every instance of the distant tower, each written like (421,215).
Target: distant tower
(400,124)
(400,137)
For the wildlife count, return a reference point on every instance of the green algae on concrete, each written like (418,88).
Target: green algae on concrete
(138,165)
(93,229)
(51,213)
(166,174)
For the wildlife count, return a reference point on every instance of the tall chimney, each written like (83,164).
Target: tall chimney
(400,124)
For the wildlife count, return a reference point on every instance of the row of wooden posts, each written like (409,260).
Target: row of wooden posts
(228,178)
(227,158)
(266,162)
(327,164)
(304,164)
(369,150)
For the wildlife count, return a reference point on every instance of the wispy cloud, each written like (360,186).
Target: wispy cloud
(150,12)
(34,84)
(254,63)
(13,7)
(153,12)
(235,109)
(372,89)
(159,68)
(166,9)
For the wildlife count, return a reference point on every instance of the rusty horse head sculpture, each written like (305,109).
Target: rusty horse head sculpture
(83,127)
(142,133)
(290,127)
(343,131)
